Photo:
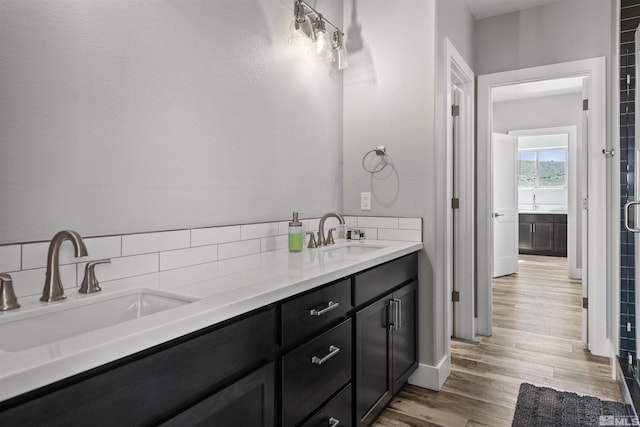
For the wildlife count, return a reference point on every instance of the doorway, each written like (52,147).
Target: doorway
(593,194)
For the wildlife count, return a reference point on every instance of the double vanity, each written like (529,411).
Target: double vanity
(326,336)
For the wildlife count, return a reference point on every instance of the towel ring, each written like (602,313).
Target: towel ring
(380,151)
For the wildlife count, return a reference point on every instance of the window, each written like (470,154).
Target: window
(542,168)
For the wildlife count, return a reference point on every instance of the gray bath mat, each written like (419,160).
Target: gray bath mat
(542,406)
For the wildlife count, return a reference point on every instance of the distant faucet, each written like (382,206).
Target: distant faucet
(534,202)
(321,238)
(53,289)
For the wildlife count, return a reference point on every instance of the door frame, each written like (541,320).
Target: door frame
(459,256)
(595,270)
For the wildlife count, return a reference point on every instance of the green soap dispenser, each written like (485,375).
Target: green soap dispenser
(296,236)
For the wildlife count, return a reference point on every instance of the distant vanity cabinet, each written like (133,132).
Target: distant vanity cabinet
(385,334)
(543,234)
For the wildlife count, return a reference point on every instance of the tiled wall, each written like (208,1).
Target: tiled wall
(138,254)
(630,18)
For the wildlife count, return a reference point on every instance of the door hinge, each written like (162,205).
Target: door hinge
(455,110)
(455,296)
(585,104)
(585,204)
(585,303)
(455,203)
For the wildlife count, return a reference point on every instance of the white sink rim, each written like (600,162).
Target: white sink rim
(64,319)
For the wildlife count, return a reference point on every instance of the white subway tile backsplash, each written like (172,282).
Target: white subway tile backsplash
(274,243)
(135,244)
(129,266)
(351,221)
(186,257)
(377,222)
(31,282)
(371,233)
(103,247)
(256,231)
(237,249)
(408,235)
(34,255)
(410,223)
(10,258)
(143,254)
(214,235)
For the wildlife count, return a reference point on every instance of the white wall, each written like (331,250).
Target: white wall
(455,21)
(541,112)
(144,115)
(559,32)
(394,106)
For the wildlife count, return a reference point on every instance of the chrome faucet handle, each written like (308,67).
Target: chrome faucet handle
(312,240)
(8,300)
(90,284)
(330,240)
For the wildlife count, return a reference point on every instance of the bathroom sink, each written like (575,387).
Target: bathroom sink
(66,319)
(352,248)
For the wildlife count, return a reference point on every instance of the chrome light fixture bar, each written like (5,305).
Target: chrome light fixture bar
(310,26)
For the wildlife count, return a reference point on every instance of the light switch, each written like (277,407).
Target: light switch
(365,201)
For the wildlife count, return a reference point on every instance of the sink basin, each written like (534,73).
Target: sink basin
(352,248)
(66,319)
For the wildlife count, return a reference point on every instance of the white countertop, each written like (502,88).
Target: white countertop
(226,289)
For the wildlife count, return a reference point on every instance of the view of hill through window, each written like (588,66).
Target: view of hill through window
(542,168)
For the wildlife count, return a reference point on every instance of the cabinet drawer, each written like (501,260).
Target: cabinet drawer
(309,313)
(336,412)
(315,371)
(560,218)
(380,280)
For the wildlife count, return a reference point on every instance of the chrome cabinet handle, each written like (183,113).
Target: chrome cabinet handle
(627,208)
(330,306)
(391,315)
(398,313)
(333,350)
(333,422)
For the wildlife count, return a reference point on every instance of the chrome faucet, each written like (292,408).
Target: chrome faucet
(322,241)
(53,289)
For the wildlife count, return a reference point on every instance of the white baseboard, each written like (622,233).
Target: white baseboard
(431,377)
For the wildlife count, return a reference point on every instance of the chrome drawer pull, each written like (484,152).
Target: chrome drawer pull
(398,313)
(330,306)
(333,350)
(333,422)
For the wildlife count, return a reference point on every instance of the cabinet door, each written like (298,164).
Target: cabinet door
(543,236)
(247,402)
(525,235)
(560,239)
(373,363)
(404,334)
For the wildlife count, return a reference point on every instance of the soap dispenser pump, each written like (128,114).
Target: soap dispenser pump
(295,234)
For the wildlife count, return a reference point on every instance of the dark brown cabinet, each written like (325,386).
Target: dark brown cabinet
(543,234)
(157,384)
(249,401)
(385,337)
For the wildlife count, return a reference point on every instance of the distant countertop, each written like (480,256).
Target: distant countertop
(226,289)
(544,212)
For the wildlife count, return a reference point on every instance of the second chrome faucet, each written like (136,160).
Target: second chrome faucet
(53,290)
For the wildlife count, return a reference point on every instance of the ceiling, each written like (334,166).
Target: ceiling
(486,8)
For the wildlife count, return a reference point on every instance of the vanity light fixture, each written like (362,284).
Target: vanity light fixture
(310,26)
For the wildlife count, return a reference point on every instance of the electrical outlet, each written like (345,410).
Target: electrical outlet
(365,201)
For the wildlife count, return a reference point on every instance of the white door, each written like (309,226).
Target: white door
(505,204)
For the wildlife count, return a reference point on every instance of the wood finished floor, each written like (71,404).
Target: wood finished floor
(537,318)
